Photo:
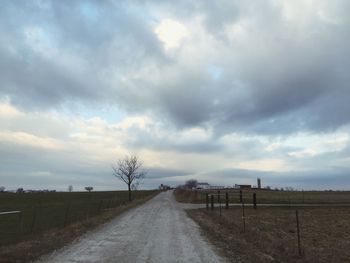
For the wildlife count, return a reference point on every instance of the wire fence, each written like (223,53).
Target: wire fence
(267,196)
(293,230)
(37,217)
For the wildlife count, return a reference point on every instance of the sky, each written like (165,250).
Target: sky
(218,91)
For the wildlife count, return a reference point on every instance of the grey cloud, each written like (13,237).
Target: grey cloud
(162,173)
(166,145)
(290,82)
(114,40)
(149,139)
(285,76)
(33,167)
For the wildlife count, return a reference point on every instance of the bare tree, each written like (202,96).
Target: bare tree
(135,186)
(192,183)
(89,188)
(70,188)
(127,170)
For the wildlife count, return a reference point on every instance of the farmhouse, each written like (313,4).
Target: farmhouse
(203,186)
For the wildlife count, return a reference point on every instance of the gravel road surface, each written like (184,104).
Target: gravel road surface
(158,231)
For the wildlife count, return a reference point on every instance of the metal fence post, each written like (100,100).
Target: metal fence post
(100,206)
(240,196)
(298,231)
(20,221)
(212,201)
(66,215)
(19,228)
(33,219)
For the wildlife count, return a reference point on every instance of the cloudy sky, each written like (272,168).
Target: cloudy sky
(219,91)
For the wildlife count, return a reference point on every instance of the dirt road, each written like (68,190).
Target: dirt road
(158,231)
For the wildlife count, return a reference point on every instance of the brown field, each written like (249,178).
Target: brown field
(268,196)
(271,233)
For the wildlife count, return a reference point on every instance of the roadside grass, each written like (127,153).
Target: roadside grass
(266,196)
(50,220)
(271,236)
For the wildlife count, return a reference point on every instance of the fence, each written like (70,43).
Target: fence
(38,215)
(226,196)
(268,196)
(299,231)
(11,233)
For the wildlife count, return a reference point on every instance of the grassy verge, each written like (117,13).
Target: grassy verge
(270,234)
(34,245)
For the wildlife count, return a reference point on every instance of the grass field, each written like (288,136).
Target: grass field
(267,197)
(271,233)
(41,212)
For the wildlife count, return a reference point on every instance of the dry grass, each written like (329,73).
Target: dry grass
(39,244)
(271,235)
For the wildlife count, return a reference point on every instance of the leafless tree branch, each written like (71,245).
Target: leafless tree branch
(127,170)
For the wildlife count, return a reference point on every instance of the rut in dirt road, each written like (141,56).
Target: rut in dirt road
(158,231)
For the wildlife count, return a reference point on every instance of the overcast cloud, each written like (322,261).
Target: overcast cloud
(194,88)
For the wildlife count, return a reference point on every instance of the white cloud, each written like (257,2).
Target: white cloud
(171,33)
(140,121)
(7,111)
(267,165)
(26,139)
(273,146)
(314,144)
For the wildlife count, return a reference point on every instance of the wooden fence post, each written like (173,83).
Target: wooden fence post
(207,201)
(240,196)
(212,201)
(218,196)
(254,200)
(243,217)
(303,196)
(226,195)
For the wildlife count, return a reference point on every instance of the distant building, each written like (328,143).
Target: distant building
(164,187)
(20,191)
(207,186)
(203,186)
(217,187)
(243,186)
